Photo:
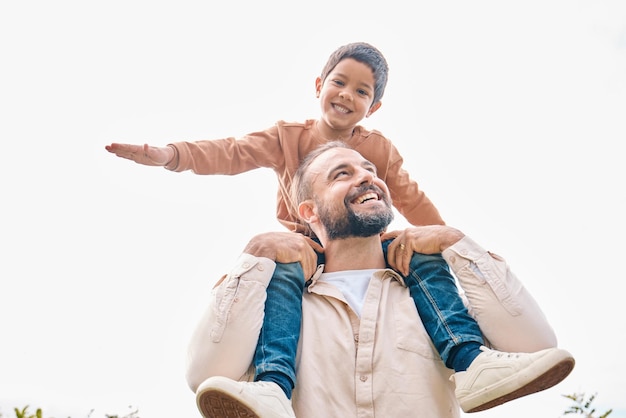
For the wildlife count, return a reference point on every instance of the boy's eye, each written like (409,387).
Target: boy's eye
(363,92)
(338,82)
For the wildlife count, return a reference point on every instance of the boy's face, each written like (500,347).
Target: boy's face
(346,95)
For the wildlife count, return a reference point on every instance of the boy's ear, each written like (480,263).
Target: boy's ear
(307,212)
(374,108)
(318,86)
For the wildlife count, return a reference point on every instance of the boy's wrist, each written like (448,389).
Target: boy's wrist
(172,163)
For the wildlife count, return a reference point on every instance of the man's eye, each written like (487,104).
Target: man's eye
(341,174)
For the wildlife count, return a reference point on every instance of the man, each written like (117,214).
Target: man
(363,349)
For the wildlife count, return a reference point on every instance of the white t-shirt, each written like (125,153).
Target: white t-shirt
(352,283)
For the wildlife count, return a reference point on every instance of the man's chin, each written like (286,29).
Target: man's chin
(375,206)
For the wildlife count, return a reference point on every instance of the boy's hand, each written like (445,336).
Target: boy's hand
(430,239)
(286,247)
(142,154)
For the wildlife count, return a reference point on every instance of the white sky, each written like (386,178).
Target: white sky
(510,115)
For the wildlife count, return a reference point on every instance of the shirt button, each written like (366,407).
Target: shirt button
(245,265)
(453,259)
(356,337)
(260,267)
(464,252)
(363,378)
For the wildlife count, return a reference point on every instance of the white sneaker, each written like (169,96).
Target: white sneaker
(495,377)
(221,397)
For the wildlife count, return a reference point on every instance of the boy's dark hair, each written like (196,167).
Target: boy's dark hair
(366,54)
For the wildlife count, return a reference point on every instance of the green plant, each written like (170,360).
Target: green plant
(583,406)
(132,414)
(24,413)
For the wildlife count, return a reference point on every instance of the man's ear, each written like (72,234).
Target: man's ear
(374,108)
(307,212)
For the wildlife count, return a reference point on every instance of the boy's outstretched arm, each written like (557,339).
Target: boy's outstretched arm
(143,154)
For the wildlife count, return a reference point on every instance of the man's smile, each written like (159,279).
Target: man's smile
(366,197)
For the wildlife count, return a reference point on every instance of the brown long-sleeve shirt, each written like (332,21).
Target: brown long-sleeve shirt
(284,145)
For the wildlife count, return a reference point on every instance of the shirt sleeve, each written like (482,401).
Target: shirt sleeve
(407,197)
(225,338)
(228,156)
(506,312)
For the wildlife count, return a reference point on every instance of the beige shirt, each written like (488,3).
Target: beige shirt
(284,145)
(381,364)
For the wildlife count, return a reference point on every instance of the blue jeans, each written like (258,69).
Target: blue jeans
(431,285)
(278,342)
(437,299)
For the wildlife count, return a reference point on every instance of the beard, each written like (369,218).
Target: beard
(352,224)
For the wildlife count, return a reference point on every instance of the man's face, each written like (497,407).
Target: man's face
(351,200)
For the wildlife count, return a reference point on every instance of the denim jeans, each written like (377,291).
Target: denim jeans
(278,342)
(437,299)
(430,283)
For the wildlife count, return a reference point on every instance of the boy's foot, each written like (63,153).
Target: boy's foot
(219,397)
(495,377)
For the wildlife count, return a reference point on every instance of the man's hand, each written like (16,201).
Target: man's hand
(430,239)
(142,154)
(286,247)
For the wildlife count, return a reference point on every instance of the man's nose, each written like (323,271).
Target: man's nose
(365,176)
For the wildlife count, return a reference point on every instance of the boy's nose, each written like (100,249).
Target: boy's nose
(344,95)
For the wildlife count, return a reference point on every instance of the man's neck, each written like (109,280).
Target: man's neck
(354,254)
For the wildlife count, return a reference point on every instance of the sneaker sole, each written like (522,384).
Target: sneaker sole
(213,403)
(544,381)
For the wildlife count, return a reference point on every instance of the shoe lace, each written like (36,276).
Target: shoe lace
(500,354)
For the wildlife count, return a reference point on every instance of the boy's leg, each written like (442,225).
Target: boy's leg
(495,377)
(453,331)
(275,356)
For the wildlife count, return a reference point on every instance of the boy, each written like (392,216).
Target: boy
(350,89)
